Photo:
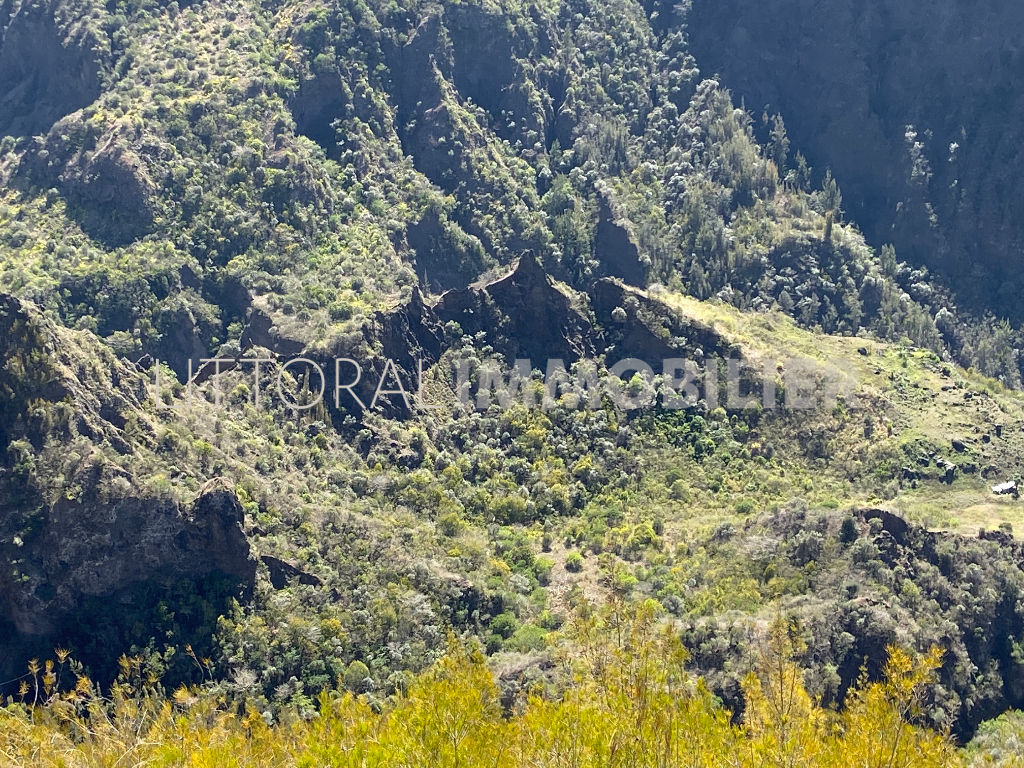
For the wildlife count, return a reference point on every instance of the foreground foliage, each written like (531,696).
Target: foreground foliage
(630,702)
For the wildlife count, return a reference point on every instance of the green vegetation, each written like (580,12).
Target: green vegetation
(335,587)
(629,700)
(309,161)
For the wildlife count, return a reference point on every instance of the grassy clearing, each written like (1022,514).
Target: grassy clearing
(925,408)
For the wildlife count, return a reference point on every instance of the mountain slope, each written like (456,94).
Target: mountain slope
(320,162)
(911,108)
(433,192)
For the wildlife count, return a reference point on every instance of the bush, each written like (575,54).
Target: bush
(450,524)
(574,562)
(504,625)
(357,677)
(848,531)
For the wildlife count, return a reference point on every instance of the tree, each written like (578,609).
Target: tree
(831,197)
(848,531)
(779,145)
(357,677)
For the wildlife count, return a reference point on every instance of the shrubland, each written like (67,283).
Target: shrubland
(284,177)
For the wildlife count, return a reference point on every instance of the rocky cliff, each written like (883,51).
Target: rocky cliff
(51,60)
(915,108)
(77,523)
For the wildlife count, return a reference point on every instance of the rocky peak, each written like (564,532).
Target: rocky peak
(524,314)
(649,329)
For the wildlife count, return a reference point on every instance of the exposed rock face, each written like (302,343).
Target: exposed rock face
(424,121)
(615,247)
(320,101)
(524,315)
(181,340)
(260,331)
(112,192)
(441,146)
(98,535)
(949,585)
(487,69)
(478,54)
(50,65)
(446,257)
(415,86)
(92,548)
(409,334)
(406,336)
(104,178)
(282,572)
(649,330)
(917,111)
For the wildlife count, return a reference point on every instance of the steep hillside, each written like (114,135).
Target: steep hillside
(913,109)
(463,217)
(317,162)
(375,535)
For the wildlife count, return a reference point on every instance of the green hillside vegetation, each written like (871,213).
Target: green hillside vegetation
(401,531)
(313,162)
(455,183)
(631,702)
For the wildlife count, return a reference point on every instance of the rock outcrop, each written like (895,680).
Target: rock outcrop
(46,366)
(75,525)
(946,586)
(917,112)
(524,315)
(104,178)
(318,103)
(615,247)
(446,257)
(260,331)
(90,547)
(50,64)
(412,332)
(487,69)
(648,329)
(282,573)
(112,192)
